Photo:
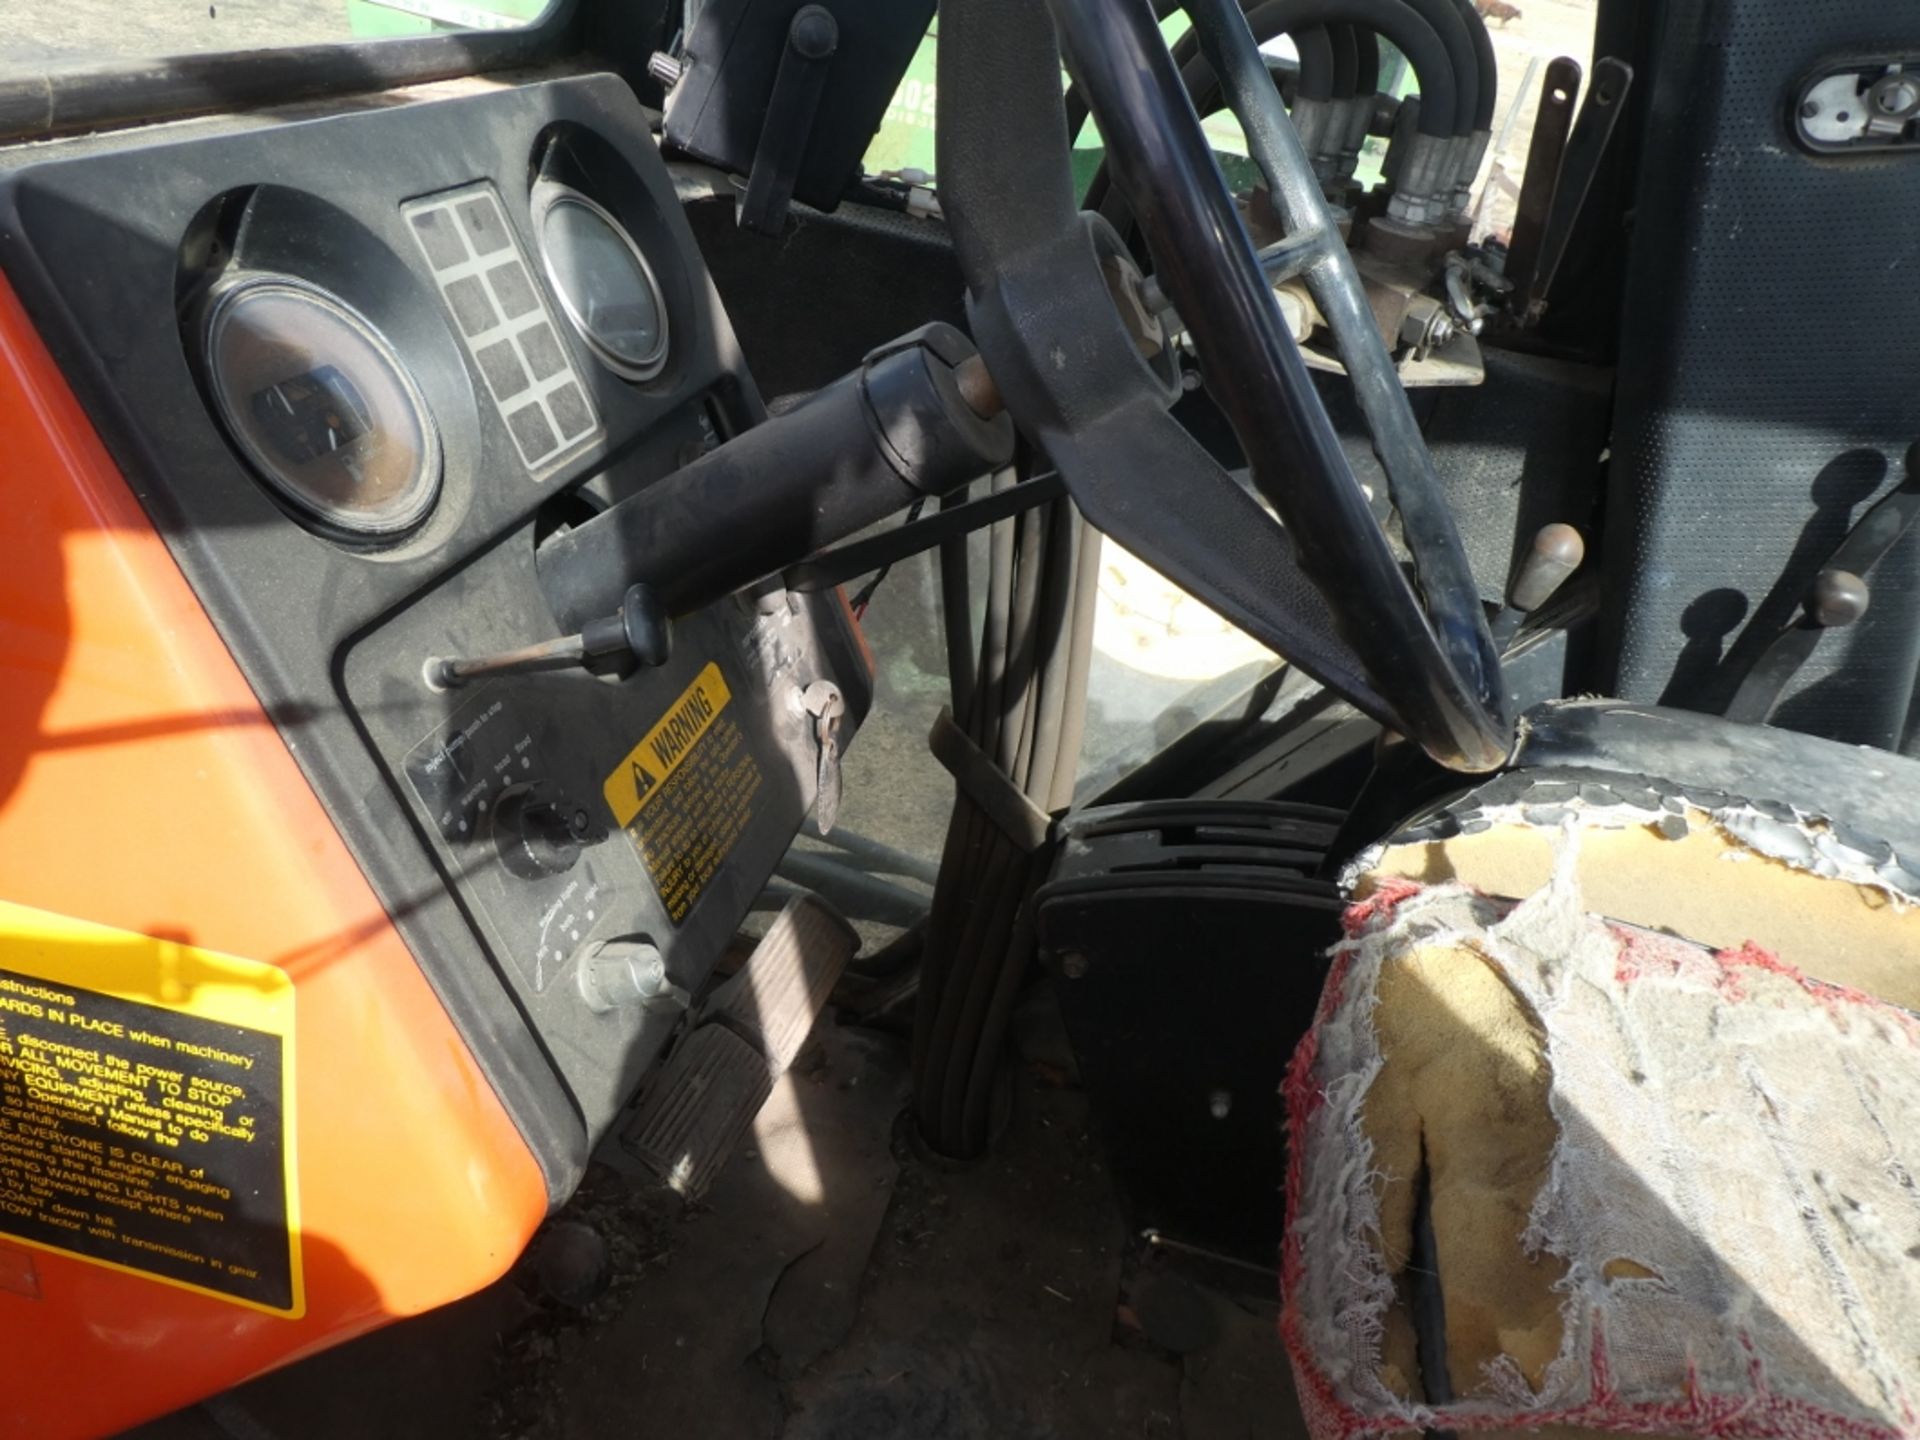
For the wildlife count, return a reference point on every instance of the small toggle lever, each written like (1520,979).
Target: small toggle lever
(641,631)
(824,703)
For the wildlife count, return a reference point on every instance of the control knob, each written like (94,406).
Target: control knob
(538,831)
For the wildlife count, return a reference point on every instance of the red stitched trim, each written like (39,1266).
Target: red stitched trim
(1302,1097)
(1388,893)
(1832,998)
(1646,953)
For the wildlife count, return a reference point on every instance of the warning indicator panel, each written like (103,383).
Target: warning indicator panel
(141,1125)
(685,793)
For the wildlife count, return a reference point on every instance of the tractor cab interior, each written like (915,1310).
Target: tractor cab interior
(1075,718)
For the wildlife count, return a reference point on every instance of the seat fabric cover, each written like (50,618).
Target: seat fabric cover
(1553,1170)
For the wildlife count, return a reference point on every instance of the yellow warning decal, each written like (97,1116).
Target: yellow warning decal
(649,763)
(685,794)
(146,1108)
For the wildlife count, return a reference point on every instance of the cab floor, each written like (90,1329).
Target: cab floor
(836,1284)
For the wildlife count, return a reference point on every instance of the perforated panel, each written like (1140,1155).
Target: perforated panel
(1767,380)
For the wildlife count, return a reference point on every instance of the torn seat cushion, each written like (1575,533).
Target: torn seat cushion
(1554,1171)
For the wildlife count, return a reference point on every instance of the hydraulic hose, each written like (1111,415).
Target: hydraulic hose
(1346,60)
(1316,86)
(1318,64)
(1470,152)
(1458,39)
(1366,76)
(1026,712)
(1318,68)
(1441,114)
(1489,93)
(1359,116)
(1310,23)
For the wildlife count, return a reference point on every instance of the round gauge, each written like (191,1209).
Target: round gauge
(605,285)
(322,406)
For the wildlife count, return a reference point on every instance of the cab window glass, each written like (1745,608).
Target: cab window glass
(38,35)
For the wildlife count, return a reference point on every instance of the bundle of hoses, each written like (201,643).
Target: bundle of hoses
(1021,702)
(1444,41)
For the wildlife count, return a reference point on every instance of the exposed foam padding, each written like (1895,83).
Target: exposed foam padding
(1669,1183)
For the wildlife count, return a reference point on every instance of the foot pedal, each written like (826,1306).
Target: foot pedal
(697,1106)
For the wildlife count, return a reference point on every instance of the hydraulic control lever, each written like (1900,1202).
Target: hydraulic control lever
(918,418)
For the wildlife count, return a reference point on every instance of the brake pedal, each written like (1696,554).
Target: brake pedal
(695,1109)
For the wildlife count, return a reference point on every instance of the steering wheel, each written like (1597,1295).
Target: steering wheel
(1324,587)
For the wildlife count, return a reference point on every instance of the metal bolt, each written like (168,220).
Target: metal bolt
(1073,965)
(1295,311)
(1131,299)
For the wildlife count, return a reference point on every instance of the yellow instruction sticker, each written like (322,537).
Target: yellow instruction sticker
(146,1113)
(685,793)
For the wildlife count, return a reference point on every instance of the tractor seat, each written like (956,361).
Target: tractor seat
(1609,1115)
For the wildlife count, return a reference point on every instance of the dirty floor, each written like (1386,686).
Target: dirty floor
(837,1284)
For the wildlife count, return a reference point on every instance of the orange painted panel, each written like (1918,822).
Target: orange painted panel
(142,786)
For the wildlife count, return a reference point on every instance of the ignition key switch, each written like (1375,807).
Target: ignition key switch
(538,831)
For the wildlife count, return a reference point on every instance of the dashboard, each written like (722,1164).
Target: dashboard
(361,368)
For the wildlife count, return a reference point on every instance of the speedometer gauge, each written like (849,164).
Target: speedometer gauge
(605,285)
(322,406)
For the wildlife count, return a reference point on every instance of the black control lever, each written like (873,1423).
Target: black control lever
(1838,597)
(812,38)
(639,632)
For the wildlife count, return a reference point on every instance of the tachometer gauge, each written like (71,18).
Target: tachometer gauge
(322,406)
(605,285)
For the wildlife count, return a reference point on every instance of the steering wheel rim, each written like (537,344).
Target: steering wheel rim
(1329,595)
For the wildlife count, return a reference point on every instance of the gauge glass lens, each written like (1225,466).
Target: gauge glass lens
(322,406)
(606,286)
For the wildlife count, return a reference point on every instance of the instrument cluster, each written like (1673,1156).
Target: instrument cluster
(297,348)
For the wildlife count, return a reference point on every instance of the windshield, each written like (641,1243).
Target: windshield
(37,35)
